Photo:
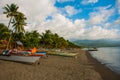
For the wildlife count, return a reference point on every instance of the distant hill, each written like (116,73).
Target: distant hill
(98,43)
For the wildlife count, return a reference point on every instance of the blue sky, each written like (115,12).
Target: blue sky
(86,8)
(71,19)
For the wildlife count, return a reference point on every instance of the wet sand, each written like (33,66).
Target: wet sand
(83,67)
(104,71)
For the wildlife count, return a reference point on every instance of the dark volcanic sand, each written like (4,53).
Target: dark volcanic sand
(57,68)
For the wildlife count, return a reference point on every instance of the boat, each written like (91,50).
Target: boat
(19,58)
(32,52)
(41,53)
(27,56)
(68,54)
(64,54)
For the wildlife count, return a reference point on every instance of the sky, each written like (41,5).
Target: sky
(71,19)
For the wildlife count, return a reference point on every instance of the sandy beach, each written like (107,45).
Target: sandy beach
(83,67)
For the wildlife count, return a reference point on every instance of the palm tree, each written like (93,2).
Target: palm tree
(18,25)
(10,11)
(46,38)
(19,22)
(16,18)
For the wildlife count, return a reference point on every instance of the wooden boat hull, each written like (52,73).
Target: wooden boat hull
(65,54)
(25,59)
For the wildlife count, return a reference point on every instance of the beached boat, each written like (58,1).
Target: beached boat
(13,55)
(64,54)
(32,52)
(28,56)
(17,58)
(42,54)
(68,54)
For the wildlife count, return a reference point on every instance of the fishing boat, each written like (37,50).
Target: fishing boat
(40,53)
(30,52)
(19,58)
(64,54)
(28,56)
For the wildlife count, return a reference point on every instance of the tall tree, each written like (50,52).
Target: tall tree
(17,19)
(10,11)
(46,38)
(32,39)
(19,22)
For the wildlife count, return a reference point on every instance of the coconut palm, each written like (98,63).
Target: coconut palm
(19,22)
(32,39)
(10,11)
(18,25)
(46,38)
(17,19)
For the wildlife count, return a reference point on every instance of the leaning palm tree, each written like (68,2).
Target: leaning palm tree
(10,11)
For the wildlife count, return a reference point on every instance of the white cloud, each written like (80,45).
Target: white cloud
(118,5)
(107,25)
(34,10)
(116,23)
(80,23)
(100,16)
(77,29)
(37,11)
(70,10)
(103,7)
(59,24)
(85,2)
(97,32)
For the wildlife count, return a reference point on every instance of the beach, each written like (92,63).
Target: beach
(82,67)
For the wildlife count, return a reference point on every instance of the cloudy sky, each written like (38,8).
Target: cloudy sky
(71,19)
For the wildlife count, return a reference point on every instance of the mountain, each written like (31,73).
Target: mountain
(98,43)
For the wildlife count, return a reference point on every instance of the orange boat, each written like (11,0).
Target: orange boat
(43,54)
(35,53)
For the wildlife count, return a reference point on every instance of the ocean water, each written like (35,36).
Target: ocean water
(110,56)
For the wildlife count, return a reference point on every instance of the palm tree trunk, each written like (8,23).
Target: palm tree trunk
(9,22)
(8,42)
(10,35)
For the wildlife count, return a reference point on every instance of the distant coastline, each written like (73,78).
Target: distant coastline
(97,43)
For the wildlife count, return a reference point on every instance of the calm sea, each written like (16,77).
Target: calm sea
(110,56)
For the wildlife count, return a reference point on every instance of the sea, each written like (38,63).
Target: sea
(109,56)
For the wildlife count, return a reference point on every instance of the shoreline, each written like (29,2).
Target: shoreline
(104,71)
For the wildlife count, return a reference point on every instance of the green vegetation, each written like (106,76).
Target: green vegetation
(15,32)
(16,23)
